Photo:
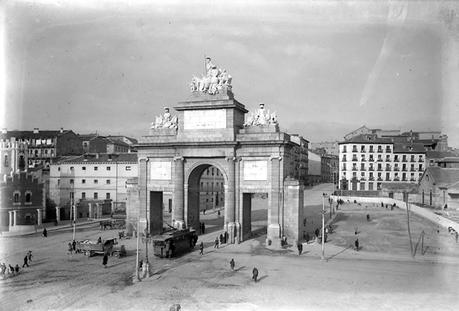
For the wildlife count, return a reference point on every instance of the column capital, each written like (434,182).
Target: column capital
(272,157)
(143,159)
(231,158)
(179,158)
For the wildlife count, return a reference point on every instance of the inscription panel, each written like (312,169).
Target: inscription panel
(160,170)
(204,119)
(255,170)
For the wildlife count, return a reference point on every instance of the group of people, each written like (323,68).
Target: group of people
(72,247)
(202,228)
(221,239)
(7,271)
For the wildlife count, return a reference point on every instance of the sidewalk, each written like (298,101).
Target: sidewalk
(63,225)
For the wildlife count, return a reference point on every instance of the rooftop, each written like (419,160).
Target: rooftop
(443,176)
(31,134)
(100,158)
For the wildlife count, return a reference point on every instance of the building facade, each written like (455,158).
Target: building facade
(44,147)
(21,198)
(91,177)
(94,143)
(211,189)
(368,161)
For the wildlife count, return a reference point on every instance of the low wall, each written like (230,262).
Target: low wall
(440,220)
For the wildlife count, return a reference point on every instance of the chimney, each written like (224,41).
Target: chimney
(36,130)
(4,130)
(61,130)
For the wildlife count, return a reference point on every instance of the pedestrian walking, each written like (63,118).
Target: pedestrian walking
(356,243)
(255,274)
(201,248)
(105,260)
(300,249)
(74,246)
(232,264)
(368,217)
(216,242)
(221,238)
(457,236)
(26,261)
(316,232)
(29,255)
(16,268)
(45,232)
(70,248)
(225,237)
(140,264)
(203,228)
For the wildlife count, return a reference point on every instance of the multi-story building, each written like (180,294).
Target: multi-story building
(314,168)
(91,176)
(21,199)
(326,147)
(211,190)
(94,143)
(13,156)
(367,161)
(329,168)
(44,147)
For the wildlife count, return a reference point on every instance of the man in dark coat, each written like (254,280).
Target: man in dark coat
(232,263)
(105,260)
(201,248)
(25,261)
(74,245)
(203,228)
(45,232)
(221,238)
(316,232)
(216,242)
(300,249)
(255,274)
(356,244)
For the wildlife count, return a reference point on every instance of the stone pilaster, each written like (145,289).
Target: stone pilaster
(58,213)
(11,223)
(230,200)
(90,210)
(15,218)
(237,200)
(178,196)
(39,216)
(274,228)
(143,199)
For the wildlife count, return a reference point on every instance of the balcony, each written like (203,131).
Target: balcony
(371,169)
(343,168)
(380,179)
(421,160)
(387,179)
(404,160)
(363,160)
(404,169)
(354,160)
(412,179)
(371,178)
(388,150)
(363,150)
(362,178)
(380,160)
(396,179)
(371,150)
(354,169)
(396,168)
(404,179)
(354,150)
(380,151)
(388,168)
(371,160)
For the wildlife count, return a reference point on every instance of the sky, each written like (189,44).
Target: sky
(326,68)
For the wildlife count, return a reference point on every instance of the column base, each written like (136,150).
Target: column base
(238,232)
(231,228)
(273,239)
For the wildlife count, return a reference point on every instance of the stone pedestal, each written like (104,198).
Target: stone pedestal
(39,216)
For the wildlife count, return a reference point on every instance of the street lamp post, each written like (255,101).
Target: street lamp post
(323,226)
(73,206)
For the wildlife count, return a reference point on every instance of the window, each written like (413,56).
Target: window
(107,196)
(6,162)
(16,197)
(71,181)
(84,168)
(128,168)
(107,181)
(58,182)
(83,181)
(58,168)
(71,168)
(83,195)
(96,195)
(96,181)
(96,168)
(108,168)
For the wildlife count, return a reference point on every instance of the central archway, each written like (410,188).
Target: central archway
(206,198)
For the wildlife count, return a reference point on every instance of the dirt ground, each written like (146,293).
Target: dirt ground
(381,276)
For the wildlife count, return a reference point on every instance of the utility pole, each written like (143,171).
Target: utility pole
(73,206)
(137,257)
(323,226)
(147,264)
(408,223)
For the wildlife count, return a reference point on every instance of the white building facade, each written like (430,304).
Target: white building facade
(92,177)
(368,161)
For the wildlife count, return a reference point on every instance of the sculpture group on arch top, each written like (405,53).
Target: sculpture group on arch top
(214,82)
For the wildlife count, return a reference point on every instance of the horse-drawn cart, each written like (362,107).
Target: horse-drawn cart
(91,248)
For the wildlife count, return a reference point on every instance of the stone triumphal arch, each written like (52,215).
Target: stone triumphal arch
(210,128)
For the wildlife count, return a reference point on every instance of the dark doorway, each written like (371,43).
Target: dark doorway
(254,215)
(156,212)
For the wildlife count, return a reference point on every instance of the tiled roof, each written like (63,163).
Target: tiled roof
(439,154)
(367,139)
(102,157)
(443,176)
(409,148)
(400,187)
(31,134)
